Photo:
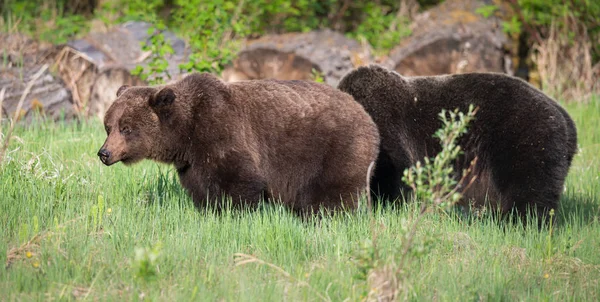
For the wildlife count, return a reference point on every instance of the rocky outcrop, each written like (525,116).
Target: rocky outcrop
(455,37)
(296,55)
(84,74)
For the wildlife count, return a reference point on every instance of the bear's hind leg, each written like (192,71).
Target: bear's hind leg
(534,191)
(386,183)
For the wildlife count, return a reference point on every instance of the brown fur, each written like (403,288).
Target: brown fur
(523,140)
(303,142)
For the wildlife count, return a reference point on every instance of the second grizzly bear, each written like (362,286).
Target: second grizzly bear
(305,143)
(523,140)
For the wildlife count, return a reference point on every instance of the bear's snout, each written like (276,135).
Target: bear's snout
(104,156)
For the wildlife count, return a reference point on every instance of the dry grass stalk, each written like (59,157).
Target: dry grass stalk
(80,292)
(363,57)
(368,188)
(2,92)
(33,244)
(242,259)
(385,284)
(564,62)
(18,253)
(18,110)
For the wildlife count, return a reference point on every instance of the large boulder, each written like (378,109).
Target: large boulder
(294,56)
(108,57)
(85,73)
(454,37)
(48,96)
(121,47)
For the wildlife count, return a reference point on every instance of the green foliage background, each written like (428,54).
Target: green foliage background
(214,28)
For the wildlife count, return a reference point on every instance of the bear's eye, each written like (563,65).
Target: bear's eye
(107,129)
(125,130)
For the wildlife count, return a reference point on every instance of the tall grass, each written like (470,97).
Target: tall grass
(71,228)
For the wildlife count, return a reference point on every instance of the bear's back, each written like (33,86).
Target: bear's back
(294,99)
(303,134)
(289,93)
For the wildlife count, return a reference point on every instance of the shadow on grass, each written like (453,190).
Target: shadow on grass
(578,208)
(166,191)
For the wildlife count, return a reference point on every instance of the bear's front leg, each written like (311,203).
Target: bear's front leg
(239,179)
(199,186)
(246,192)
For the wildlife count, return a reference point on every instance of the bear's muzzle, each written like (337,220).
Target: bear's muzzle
(104,156)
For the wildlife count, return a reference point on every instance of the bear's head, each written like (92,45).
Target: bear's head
(159,122)
(140,122)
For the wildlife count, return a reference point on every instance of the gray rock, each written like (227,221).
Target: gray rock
(294,55)
(48,96)
(453,38)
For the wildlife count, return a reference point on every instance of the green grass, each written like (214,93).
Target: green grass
(81,222)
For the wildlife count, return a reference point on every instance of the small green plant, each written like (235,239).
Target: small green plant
(513,26)
(96,213)
(144,263)
(486,10)
(366,259)
(317,76)
(435,186)
(157,70)
(213,45)
(117,11)
(382,27)
(434,182)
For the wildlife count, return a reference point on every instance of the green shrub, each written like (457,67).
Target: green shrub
(382,27)
(535,18)
(51,21)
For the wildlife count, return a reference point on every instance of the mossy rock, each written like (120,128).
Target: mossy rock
(454,37)
(295,56)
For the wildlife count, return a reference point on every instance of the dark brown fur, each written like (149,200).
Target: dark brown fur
(523,139)
(306,143)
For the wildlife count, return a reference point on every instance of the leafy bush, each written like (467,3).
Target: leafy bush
(382,27)
(536,17)
(435,188)
(159,48)
(52,21)
(211,28)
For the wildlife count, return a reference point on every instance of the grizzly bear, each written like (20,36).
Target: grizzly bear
(306,144)
(523,140)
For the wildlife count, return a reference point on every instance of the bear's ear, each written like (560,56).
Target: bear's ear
(162,98)
(122,89)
